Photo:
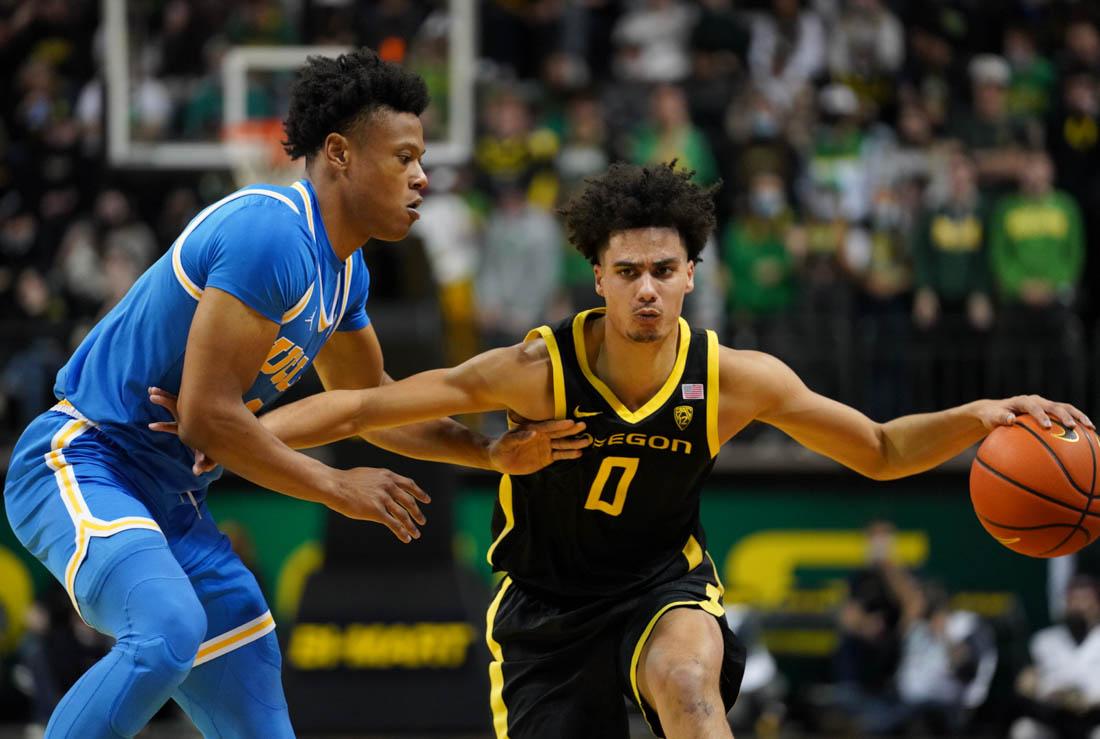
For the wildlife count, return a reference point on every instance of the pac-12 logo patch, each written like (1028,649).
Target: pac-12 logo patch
(683,414)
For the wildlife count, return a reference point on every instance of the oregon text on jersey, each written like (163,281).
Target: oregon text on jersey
(652,441)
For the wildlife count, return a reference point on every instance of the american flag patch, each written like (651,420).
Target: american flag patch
(692,391)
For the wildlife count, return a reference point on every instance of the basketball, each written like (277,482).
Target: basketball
(1034,489)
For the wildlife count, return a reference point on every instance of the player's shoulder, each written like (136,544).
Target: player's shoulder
(264,219)
(283,203)
(748,363)
(763,377)
(518,363)
(532,351)
(262,210)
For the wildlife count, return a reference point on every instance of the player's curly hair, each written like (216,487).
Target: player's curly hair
(627,196)
(332,95)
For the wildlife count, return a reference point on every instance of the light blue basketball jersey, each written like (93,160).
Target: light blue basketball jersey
(265,245)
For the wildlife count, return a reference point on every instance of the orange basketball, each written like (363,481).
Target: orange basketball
(1035,490)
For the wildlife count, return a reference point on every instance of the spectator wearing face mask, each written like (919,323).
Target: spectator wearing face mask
(884,276)
(841,156)
(1059,693)
(760,269)
(757,128)
(824,244)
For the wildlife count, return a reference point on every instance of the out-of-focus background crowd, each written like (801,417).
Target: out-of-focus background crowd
(908,214)
(908,189)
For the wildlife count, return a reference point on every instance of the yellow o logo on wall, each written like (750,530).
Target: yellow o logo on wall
(761,568)
(15,597)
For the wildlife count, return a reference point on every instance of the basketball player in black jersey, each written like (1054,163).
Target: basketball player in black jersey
(608,588)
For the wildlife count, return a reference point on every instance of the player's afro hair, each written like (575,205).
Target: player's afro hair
(627,196)
(332,95)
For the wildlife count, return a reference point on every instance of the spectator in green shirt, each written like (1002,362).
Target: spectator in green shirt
(1036,240)
(1031,86)
(672,135)
(952,309)
(1037,251)
(760,270)
(950,256)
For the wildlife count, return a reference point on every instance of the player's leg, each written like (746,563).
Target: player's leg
(553,671)
(146,602)
(678,659)
(678,674)
(239,694)
(235,688)
(72,511)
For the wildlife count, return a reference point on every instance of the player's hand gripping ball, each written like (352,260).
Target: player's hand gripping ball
(1035,490)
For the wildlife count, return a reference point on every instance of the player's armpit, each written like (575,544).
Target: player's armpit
(351,360)
(757,386)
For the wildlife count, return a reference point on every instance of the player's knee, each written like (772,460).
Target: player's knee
(682,681)
(168,623)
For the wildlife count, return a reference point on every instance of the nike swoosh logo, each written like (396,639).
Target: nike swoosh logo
(578,413)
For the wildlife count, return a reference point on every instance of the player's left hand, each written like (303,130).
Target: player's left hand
(168,402)
(531,446)
(994,413)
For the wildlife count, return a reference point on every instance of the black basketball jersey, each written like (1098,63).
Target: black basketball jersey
(626,514)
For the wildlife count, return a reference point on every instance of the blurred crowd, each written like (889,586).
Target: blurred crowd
(907,189)
(911,661)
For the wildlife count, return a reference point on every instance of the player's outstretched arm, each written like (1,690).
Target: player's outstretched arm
(516,378)
(227,344)
(756,386)
(353,360)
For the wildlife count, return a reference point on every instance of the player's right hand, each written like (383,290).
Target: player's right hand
(170,402)
(374,494)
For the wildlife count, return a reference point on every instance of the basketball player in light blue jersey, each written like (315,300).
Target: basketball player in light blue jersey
(258,287)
